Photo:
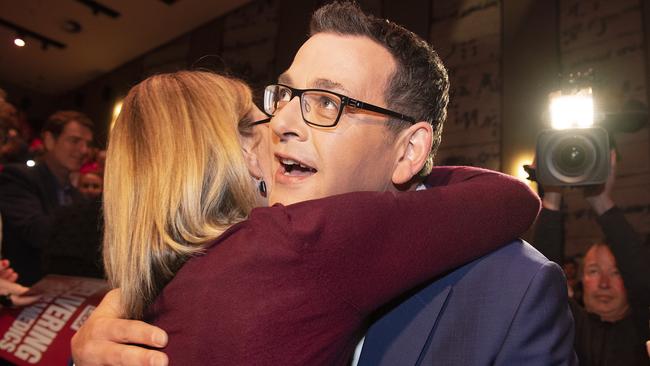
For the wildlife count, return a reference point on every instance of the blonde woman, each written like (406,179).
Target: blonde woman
(235,284)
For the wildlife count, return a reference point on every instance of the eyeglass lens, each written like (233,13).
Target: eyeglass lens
(318,107)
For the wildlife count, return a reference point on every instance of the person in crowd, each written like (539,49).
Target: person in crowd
(74,246)
(612,326)
(509,307)
(91,183)
(13,147)
(574,285)
(29,196)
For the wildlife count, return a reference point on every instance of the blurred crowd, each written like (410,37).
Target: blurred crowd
(50,194)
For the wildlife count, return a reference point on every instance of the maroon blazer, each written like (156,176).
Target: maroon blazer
(293,285)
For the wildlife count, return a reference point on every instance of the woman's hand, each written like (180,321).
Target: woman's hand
(15,294)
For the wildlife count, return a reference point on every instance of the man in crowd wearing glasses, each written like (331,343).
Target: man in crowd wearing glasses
(357,89)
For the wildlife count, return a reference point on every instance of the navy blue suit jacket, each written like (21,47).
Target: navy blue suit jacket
(507,308)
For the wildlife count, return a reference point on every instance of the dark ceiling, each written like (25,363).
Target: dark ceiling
(97,36)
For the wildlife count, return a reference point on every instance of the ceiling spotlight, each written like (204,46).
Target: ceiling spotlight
(19,41)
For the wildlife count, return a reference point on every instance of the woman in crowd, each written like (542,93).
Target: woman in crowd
(236,284)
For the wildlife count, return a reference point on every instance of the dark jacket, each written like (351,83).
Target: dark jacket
(28,203)
(598,342)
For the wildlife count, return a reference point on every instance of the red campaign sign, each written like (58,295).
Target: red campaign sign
(40,333)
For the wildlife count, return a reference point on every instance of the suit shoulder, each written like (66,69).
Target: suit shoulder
(516,263)
(518,252)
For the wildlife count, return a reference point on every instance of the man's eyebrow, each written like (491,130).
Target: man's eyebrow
(284,79)
(329,85)
(320,83)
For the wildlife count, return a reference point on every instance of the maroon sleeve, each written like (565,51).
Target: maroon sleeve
(368,247)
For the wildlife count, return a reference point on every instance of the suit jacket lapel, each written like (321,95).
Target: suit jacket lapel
(416,317)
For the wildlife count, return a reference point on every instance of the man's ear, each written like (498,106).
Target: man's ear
(249,144)
(48,141)
(414,145)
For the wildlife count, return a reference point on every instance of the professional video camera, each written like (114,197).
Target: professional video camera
(575,152)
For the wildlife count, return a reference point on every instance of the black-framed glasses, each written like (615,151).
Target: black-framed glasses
(262,121)
(319,107)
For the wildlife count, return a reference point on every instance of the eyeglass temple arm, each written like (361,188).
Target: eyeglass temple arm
(361,105)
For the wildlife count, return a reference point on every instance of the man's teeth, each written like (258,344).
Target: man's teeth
(294,166)
(292,162)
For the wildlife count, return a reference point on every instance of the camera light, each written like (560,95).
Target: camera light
(30,163)
(18,41)
(572,111)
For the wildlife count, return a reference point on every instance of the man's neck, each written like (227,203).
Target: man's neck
(61,174)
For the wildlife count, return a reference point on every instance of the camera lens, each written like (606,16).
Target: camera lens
(570,156)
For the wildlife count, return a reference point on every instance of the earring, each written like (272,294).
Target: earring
(262,187)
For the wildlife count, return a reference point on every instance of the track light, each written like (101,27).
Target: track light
(23,33)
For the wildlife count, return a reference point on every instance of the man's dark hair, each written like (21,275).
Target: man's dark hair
(57,121)
(419,87)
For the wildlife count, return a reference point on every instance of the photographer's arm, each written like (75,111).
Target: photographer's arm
(624,242)
(105,339)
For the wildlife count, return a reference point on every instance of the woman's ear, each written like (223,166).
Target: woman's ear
(249,144)
(414,146)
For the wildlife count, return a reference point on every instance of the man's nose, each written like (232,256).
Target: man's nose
(603,281)
(288,124)
(84,148)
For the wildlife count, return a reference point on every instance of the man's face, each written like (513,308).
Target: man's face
(604,291)
(70,148)
(358,153)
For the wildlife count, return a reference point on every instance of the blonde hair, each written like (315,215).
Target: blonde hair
(175,179)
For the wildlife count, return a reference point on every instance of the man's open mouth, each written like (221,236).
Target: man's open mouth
(294,168)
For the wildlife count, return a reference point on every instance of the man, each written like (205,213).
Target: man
(29,196)
(612,327)
(348,68)
(13,147)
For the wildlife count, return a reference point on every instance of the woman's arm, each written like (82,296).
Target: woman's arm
(368,247)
